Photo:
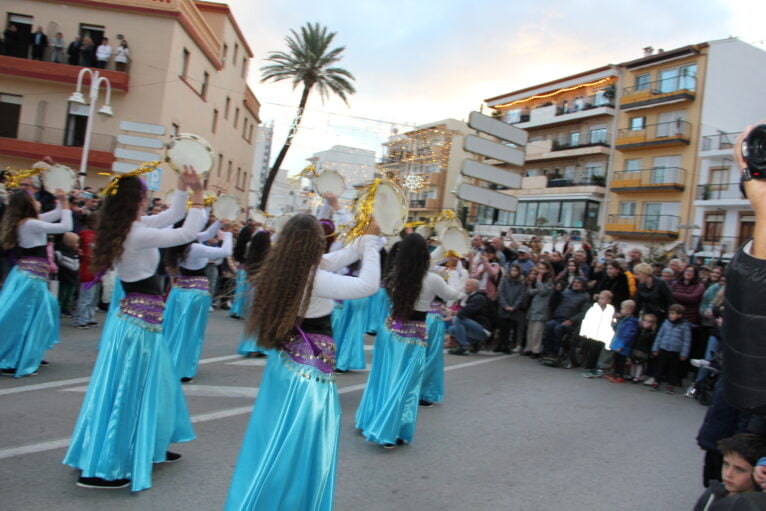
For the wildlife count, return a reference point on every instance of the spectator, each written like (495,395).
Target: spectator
(500,250)
(653,295)
(571,309)
(524,261)
(556,261)
(510,316)
(89,289)
(13,42)
(671,347)
(658,267)
(469,326)
(571,272)
(540,289)
(615,281)
(73,51)
(639,355)
(625,335)
(582,263)
(634,258)
(688,291)
(87,53)
(103,53)
(68,262)
(596,330)
(668,276)
(535,245)
(677,266)
(122,56)
(488,272)
(57,54)
(39,43)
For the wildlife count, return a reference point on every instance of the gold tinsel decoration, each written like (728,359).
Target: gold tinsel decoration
(363,209)
(114,184)
(309,171)
(17,175)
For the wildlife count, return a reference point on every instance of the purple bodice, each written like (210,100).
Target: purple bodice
(146,308)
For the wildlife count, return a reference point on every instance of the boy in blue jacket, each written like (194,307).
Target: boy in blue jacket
(671,347)
(625,334)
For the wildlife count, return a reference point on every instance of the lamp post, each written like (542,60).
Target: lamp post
(77,97)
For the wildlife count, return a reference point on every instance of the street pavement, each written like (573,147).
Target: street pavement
(511,435)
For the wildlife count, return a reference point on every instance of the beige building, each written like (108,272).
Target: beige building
(187,70)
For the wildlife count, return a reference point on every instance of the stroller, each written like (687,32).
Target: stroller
(702,390)
(571,354)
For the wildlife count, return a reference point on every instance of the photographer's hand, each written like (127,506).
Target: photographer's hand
(756,194)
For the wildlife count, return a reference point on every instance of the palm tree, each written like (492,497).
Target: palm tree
(308,61)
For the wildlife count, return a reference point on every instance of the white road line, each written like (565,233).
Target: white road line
(205,417)
(218,359)
(252,362)
(43,386)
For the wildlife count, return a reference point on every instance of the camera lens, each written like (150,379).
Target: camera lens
(754,149)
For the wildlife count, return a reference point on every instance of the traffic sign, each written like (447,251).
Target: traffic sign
(499,129)
(499,176)
(487,197)
(484,147)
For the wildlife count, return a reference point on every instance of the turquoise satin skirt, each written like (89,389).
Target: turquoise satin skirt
(134,407)
(248,344)
(349,323)
(433,374)
(377,311)
(289,454)
(29,322)
(240,295)
(388,410)
(118,293)
(183,327)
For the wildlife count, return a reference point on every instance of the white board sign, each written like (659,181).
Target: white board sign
(149,143)
(141,156)
(491,198)
(122,167)
(491,174)
(483,147)
(142,127)
(496,128)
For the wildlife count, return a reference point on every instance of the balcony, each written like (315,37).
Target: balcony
(662,92)
(554,114)
(661,227)
(720,194)
(424,204)
(663,134)
(720,144)
(712,245)
(660,179)
(55,72)
(591,143)
(34,142)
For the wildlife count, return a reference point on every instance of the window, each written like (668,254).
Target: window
(642,81)
(95,32)
(597,136)
(236,116)
(250,133)
(244,180)
(224,51)
(244,67)
(236,51)
(719,178)
(570,172)
(239,177)
(205,79)
(678,78)
(175,129)
(226,108)
(10,113)
(627,209)
(600,98)
(637,123)
(220,164)
(688,77)
(665,169)
(714,226)
(228,171)
(671,123)
(574,139)
(521,213)
(76,123)
(215,120)
(633,165)
(512,116)
(244,128)
(593,170)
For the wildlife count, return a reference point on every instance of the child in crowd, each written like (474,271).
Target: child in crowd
(639,355)
(740,456)
(596,329)
(671,347)
(625,334)
(68,261)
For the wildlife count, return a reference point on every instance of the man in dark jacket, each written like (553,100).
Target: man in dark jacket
(571,309)
(73,52)
(469,326)
(39,43)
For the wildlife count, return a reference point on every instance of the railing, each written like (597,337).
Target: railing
(578,179)
(718,191)
(653,177)
(664,86)
(418,203)
(584,140)
(672,129)
(644,223)
(719,141)
(712,242)
(57,136)
(584,103)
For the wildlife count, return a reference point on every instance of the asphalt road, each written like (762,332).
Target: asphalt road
(511,435)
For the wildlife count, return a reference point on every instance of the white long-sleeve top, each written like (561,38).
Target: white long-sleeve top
(342,216)
(141,256)
(199,254)
(434,285)
(34,232)
(210,232)
(329,286)
(103,52)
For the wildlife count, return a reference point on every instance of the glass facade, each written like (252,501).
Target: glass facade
(572,213)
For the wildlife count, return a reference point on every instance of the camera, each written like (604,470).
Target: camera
(754,152)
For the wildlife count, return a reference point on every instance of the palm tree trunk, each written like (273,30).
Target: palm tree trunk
(286,147)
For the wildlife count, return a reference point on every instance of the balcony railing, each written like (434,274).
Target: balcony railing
(658,178)
(719,191)
(58,136)
(719,141)
(661,133)
(665,86)
(585,103)
(643,225)
(588,139)
(712,242)
(577,179)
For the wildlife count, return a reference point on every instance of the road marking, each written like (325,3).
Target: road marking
(205,417)
(218,359)
(248,362)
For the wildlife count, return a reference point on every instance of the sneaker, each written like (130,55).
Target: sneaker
(650,382)
(535,356)
(670,390)
(615,379)
(171,457)
(691,391)
(235,316)
(8,372)
(425,404)
(474,347)
(457,351)
(517,349)
(599,373)
(186,380)
(44,363)
(635,380)
(341,371)
(654,387)
(83,327)
(102,484)
(487,333)
(388,446)
(211,309)
(589,374)
(699,362)
(92,323)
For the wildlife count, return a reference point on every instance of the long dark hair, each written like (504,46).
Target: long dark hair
(257,251)
(118,213)
(243,238)
(284,283)
(175,255)
(20,206)
(405,280)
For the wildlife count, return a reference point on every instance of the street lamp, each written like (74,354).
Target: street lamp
(77,97)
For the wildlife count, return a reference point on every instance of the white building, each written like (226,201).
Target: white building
(357,166)
(286,197)
(263,141)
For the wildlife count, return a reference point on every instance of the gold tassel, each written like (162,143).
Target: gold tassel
(363,208)
(445,214)
(17,176)
(114,184)
(309,171)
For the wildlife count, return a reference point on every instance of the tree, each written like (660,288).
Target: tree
(309,61)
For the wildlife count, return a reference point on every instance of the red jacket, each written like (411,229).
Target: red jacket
(690,297)
(87,243)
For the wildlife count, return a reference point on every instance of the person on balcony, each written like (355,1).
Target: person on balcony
(122,56)
(39,43)
(103,53)
(73,51)
(57,52)
(87,53)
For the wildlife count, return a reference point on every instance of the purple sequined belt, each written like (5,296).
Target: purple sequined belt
(37,266)
(436,308)
(315,350)
(197,282)
(413,332)
(145,308)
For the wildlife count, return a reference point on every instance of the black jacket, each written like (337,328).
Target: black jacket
(573,305)
(617,285)
(721,421)
(476,308)
(654,300)
(744,333)
(715,492)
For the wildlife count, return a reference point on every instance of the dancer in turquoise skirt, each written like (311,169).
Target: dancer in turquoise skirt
(29,313)
(388,410)
(432,390)
(134,407)
(239,300)
(377,311)
(288,457)
(256,254)
(188,305)
(349,326)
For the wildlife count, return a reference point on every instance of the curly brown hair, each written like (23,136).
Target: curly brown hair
(284,283)
(20,207)
(117,215)
(405,279)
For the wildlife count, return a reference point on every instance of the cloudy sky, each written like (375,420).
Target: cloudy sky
(418,61)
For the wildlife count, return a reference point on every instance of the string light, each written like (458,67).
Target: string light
(554,93)
(414,182)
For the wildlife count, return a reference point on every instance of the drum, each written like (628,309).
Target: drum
(226,207)
(59,177)
(442,224)
(390,208)
(455,239)
(190,149)
(330,181)
(424,231)
(259,217)
(280,221)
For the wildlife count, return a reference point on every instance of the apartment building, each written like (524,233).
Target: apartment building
(356,165)
(428,159)
(187,71)
(571,124)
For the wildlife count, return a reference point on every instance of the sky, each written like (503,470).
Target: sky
(419,61)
